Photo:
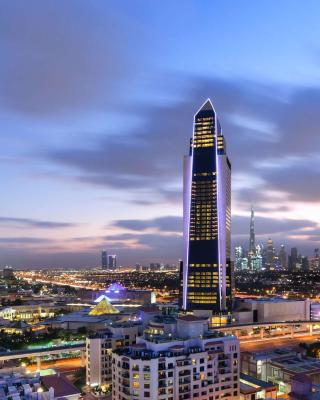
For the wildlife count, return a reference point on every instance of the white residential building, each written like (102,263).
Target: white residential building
(190,363)
(99,350)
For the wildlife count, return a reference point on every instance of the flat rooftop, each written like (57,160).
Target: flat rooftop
(297,365)
(251,385)
(272,300)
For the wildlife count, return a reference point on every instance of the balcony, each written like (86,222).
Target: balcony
(223,371)
(126,383)
(184,380)
(183,391)
(185,373)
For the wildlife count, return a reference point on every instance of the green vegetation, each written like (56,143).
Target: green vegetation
(30,339)
(80,379)
(313,349)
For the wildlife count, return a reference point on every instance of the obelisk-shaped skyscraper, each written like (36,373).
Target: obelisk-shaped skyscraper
(206,274)
(252,243)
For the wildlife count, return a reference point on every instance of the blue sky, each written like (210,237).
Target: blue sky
(96,107)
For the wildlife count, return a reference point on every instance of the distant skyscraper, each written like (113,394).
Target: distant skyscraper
(293,259)
(242,260)
(315,260)
(207,218)
(252,243)
(305,264)
(270,261)
(283,257)
(108,262)
(238,251)
(256,259)
(112,262)
(104,259)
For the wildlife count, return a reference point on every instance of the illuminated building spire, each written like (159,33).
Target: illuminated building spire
(252,244)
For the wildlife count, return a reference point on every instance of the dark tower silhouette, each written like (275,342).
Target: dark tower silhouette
(207,218)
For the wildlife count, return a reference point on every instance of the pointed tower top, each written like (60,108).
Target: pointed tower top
(206,106)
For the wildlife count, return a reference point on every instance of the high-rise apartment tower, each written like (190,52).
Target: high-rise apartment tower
(207,218)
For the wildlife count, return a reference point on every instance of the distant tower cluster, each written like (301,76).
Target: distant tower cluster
(108,261)
(259,257)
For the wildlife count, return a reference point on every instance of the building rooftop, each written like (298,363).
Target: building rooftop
(167,346)
(115,287)
(297,365)
(104,307)
(271,300)
(61,385)
(256,383)
(192,318)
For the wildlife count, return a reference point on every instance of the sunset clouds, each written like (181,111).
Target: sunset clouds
(96,109)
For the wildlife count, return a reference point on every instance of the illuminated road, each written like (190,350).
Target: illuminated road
(40,352)
(269,344)
(66,365)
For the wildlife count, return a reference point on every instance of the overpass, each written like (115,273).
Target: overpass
(42,351)
(261,330)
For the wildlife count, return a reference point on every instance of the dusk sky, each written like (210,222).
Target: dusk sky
(96,106)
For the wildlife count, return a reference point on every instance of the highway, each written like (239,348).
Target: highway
(272,343)
(66,365)
(43,351)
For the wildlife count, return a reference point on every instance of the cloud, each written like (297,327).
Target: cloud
(58,57)
(268,226)
(150,156)
(164,224)
(301,181)
(27,222)
(23,240)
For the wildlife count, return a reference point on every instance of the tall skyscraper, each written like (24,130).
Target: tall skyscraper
(207,218)
(252,243)
(104,259)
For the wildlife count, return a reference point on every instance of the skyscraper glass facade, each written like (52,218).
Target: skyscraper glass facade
(207,217)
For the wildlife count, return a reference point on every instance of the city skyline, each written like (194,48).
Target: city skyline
(76,116)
